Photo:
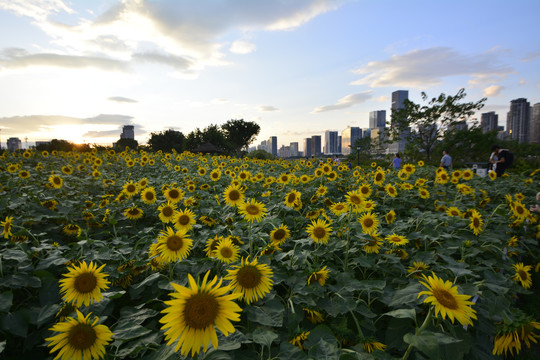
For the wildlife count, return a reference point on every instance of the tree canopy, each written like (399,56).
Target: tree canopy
(166,141)
(240,133)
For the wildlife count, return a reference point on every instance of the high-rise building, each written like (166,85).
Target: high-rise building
(330,142)
(366,132)
(293,149)
(14,144)
(377,119)
(128,132)
(339,151)
(398,98)
(284,151)
(271,144)
(316,145)
(489,122)
(307,148)
(348,138)
(535,124)
(518,120)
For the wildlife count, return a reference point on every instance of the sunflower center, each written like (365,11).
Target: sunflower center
(519,210)
(85,283)
(226,252)
(82,336)
(174,243)
(319,232)
(57,180)
(445,299)
(234,195)
(252,209)
(201,311)
(378,177)
(522,275)
(291,198)
(183,220)
(167,211)
(368,222)
(130,188)
(133,212)
(149,196)
(476,222)
(279,234)
(249,277)
(355,199)
(173,194)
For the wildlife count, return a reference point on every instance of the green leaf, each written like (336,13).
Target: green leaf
(6,300)
(137,316)
(291,352)
(428,342)
(264,336)
(270,314)
(324,350)
(216,355)
(14,323)
(47,313)
(2,346)
(129,330)
(407,295)
(21,280)
(371,285)
(402,314)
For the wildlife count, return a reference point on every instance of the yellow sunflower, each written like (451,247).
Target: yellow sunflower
(293,198)
(447,301)
(390,217)
(467,174)
(313,316)
(233,195)
(174,194)
(365,190)
(83,284)
(379,177)
(319,231)
(298,341)
(417,267)
(173,246)
(56,181)
(280,235)
(72,230)
(453,211)
(250,279)
(371,345)
(192,314)
(24,174)
(167,212)
(519,210)
(492,175)
(133,213)
(226,251)
(476,222)
(319,276)
(523,274)
(424,194)
(184,219)
(80,338)
(321,190)
(148,195)
(252,210)
(339,208)
(397,240)
(391,190)
(6,225)
(130,188)
(510,336)
(369,222)
(215,174)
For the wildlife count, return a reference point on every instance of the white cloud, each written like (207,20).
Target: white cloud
(345,102)
(266,108)
(242,47)
(492,90)
(531,56)
(383,98)
(121,99)
(522,82)
(428,67)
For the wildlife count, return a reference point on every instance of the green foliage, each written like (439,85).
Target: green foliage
(240,133)
(122,144)
(166,141)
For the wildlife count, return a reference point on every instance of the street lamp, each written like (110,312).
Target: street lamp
(358,155)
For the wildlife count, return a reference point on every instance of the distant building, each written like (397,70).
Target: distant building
(377,119)
(262,146)
(307,147)
(489,122)
(518,120)
(535,124)
(459,125)
(366,132)
(14,144)
(128,132)
(378,138)
(330,142)
(294,149)
(339,151)
(316,145)
(348,138)
(398,99)
(284,151)
(272,145)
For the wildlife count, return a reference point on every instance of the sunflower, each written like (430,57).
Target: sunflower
(83,284)
(442,177)
(6,226)
(167,212)
(292,199)
(250,279)
(211,245)
(56,181)
(355,200)
(378,178)
(403,175)
(233,195)
(522,274)
(298,341)
(174,194)
(201,171)
(444,296)
(133,213)
(80,338)
(371,345)
(252,210)
(390,190)
(130,188)
(390,217)
(184,219)
(321,190)
(280,235)
(215,174)
(319,276)
(148,195)
(519,210)
(319,231)
(226,251)
(313,316)
(24,174)
(453,211)
(509,336)
(339,208)
(365,190)
(173,246)
(417,266)
(467,174)
(492,175)
(476,222)
(369,222)
(192,314)
(396,240)
(424,194)
(72,230)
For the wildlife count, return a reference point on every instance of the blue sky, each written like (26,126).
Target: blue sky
(80,70)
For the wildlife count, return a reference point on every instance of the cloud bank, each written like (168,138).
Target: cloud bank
(345,102)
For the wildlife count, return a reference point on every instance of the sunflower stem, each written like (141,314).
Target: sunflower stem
(418,331)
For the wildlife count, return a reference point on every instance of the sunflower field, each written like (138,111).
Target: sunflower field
(136,255)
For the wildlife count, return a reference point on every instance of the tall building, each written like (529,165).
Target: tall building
(398,98)
(307,147)
(348,138)
(339,151)
(366,132)
(128,132)
(262,146)
(377,119)
(293,149)
(316,145)
(284,151)
(14,144)
(489,121)
(518,120)
(330,142)
(535,124)
(272,145)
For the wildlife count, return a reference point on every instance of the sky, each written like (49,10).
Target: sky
(79,70)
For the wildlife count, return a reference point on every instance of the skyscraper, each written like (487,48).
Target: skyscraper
(128,132)
(272,145)
(307,147)
(293,149)
(398,97)
(535,124)
(330,142)
(489,121)
(316,145)
(377,119)
(518,120)
(348,138)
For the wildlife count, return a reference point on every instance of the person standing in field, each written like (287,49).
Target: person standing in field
(504,159)
(446,160)
(396,162)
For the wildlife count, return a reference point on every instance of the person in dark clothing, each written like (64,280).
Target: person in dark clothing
(503,159)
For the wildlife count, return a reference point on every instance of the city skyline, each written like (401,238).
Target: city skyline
(80,71)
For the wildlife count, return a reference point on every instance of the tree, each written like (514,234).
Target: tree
(467,145)
(122,143)
(210,134)
(428,123)
(240,133)
(166,141)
